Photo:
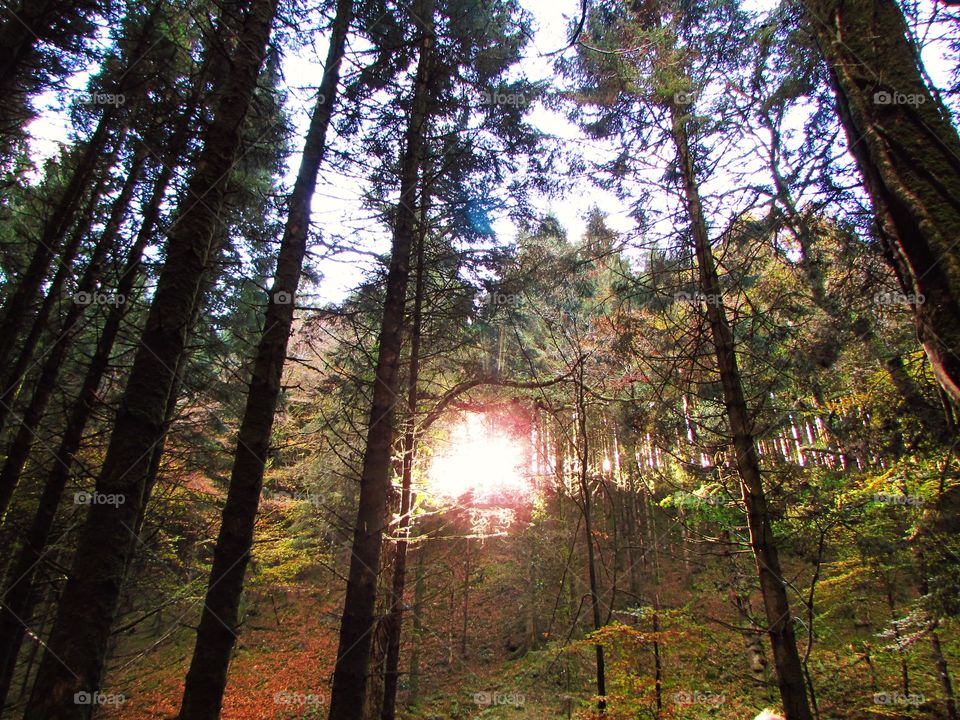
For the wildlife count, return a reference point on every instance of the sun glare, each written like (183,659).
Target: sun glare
(479,459)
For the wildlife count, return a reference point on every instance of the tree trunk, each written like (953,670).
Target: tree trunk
(585,497)
(349,677)
(772,584)
(939,659)
(219,622)
(465,607)
(943,673)
(419,590)
(19,598)
(78,643)
(394,621)
(46,383)
(907,150)
(13,374)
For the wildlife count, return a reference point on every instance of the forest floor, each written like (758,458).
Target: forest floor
(284,659)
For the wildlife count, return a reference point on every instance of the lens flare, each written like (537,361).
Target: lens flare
(480,460)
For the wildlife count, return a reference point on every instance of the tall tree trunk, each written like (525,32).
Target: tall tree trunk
(78,642)
(586,504)
(394,621)
(772,584)
(939,659)
(943,673)
(349,677)
(219,622)
(14,371)
(46,383)
(657,660)
(465,605)
(907,150)
(419,591)
(19,597)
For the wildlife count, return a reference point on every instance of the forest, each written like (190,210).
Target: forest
(479,359)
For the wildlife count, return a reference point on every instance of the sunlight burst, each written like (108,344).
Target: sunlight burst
(481,460)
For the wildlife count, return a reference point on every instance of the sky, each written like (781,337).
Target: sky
(336,203)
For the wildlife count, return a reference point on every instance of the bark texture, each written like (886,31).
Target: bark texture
(786,658)
(356,625)
(77,646)
(908,153)
(220,621)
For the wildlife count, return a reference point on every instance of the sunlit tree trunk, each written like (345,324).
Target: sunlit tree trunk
(772,583)
(908,152)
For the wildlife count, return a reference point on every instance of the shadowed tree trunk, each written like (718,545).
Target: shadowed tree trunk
(219,622)
(29,286)
(772,584)
(19,596)
(419,590)
(908,153)
(46,383)
(587,507)
(939,659)
(394,620)
(77,646)
(353,653)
